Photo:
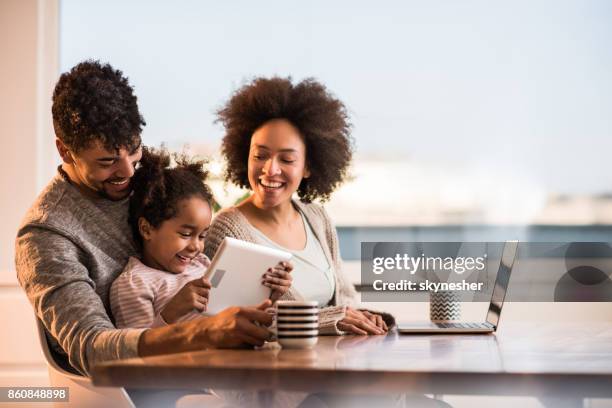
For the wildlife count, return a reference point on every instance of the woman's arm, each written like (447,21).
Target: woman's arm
(345,294)
(355,319)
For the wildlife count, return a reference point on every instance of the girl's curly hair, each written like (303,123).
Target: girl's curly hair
(321,119)
(158,188)
(94,102)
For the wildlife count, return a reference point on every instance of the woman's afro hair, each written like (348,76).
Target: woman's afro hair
(321,119)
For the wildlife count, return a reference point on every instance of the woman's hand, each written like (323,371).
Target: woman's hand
(194,295)
(362,322)
(278,279)
(376,319)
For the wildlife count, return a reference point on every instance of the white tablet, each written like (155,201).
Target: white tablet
(235,274)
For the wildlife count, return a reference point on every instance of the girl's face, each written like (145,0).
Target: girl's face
(277,163)
(177,241)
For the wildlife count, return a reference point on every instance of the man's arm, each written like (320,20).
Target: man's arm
(58,285)
(232,327)
(62,293)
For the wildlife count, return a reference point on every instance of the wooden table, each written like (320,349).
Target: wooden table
(563,360)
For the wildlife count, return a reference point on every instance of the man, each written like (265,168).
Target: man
(75,239)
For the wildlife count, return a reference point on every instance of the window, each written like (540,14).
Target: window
(465,114)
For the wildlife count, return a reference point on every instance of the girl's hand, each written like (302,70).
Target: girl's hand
(278,279)
(194,295)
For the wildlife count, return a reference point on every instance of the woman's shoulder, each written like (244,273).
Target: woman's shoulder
(227,223)
(314,213)
(311,208)
(229,218)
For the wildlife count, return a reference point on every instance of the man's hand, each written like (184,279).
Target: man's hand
(278,279)
(362,322)
(232,327)
(236,326)
(194,295)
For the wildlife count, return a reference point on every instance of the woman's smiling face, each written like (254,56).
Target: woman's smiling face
(277,163)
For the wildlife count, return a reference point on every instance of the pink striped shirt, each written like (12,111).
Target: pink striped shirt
(140,293)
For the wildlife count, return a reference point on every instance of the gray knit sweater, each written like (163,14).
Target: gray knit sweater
(232,223)
(69,250)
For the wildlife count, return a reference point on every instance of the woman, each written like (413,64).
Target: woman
(281,139)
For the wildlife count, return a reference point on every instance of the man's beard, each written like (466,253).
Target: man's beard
(102,193)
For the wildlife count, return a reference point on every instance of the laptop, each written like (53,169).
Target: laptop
(497,301)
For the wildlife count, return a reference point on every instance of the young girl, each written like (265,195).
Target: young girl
(170,212)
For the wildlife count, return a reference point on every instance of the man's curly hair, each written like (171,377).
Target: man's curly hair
(95,103)
(158,188)
(321,119)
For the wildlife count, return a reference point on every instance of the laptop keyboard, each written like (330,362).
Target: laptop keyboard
(463,325)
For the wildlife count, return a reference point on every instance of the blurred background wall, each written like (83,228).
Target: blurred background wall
(28,70)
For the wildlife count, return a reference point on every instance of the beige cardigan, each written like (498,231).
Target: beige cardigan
(232,223)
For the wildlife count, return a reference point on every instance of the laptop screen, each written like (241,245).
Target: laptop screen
(501,282)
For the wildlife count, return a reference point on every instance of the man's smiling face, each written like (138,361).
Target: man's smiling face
(97,171)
